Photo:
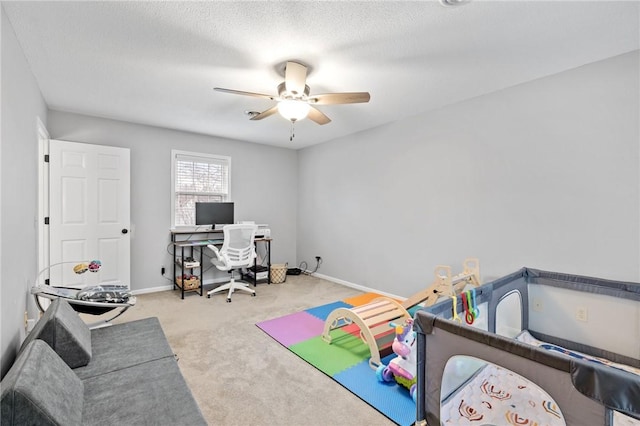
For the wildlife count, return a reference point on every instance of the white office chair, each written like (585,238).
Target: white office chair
(238,251)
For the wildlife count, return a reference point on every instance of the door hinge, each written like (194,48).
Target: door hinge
(46,220)
(46,158)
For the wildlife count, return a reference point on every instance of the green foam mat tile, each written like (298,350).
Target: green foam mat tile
(344,351)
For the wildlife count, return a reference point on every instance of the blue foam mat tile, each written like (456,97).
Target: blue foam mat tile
(323,311)
(391,399)
(387,359)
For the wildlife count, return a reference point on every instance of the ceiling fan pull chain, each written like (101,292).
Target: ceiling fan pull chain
(292,134)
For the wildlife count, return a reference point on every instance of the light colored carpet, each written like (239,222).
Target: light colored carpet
(237,373)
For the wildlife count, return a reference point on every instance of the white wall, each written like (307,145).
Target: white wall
(544,174)
(22,103)
(263,186)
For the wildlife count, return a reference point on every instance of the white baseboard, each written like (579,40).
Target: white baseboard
(152,289)
(357,286)
(324,277)
(222,280)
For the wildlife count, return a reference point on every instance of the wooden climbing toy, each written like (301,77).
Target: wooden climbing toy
(374,317)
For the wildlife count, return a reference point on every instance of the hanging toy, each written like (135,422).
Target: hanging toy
(80,268)
(454,301)
(476,311)
(94,266)
(468,310)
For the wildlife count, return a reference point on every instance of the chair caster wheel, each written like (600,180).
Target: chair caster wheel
(253,295)
(208,296)
(228,300)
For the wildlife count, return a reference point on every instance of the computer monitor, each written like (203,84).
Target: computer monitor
(214,214)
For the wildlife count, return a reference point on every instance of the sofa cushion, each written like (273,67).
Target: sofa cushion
(153,393)
(62,328)
(40,389)
(125,345)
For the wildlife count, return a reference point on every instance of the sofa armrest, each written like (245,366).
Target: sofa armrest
(40,389)
(62,329)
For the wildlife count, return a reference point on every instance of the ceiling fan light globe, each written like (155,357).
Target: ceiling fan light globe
(293,110)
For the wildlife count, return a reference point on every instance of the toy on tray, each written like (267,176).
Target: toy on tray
(93,266)
(403,367)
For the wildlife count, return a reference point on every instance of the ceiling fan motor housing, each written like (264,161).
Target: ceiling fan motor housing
(282,92)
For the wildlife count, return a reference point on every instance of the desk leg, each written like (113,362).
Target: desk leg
(201,271)
(268,261)
(173,262)
(255,266)
(182,271)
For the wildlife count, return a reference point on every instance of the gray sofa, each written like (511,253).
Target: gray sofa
(125,374)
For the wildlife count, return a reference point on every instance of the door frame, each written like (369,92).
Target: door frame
(43,197)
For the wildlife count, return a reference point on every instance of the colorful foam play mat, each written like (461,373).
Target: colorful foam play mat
(346,359)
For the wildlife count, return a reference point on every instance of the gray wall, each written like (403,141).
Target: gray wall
(544,174)
(22,103)
(263,186)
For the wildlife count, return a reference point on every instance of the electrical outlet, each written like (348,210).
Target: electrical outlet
(318,259)
(162,270)
(537,305)
(582,314)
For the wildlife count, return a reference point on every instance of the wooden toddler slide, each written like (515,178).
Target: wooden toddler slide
(373,318)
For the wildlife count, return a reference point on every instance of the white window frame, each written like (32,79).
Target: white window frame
(205,157)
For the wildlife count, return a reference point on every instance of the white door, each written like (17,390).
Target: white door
(89,212)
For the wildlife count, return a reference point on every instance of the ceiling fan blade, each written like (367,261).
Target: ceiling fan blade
(295,77)
(339,98)
(239,92)
(265,114)
(318,116)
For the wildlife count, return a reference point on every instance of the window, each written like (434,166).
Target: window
(197,177)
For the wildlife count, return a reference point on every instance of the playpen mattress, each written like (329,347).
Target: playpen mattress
(496,396)
(493,395)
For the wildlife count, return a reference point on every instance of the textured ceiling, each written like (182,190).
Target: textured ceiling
(157,62)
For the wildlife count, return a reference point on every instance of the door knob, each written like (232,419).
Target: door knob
(124,231)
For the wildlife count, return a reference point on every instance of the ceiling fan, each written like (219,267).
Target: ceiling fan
(294,101)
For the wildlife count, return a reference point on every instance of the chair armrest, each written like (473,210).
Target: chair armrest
(216,252)
(222,257)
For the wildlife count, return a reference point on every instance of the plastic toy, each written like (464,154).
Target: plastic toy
(94,266)
(471,310)
(403,367)
(81,268)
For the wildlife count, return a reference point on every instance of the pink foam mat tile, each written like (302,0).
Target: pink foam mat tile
(291,329)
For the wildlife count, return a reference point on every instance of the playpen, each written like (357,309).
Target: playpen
(577,347)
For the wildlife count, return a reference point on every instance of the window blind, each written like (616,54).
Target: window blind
(198,178)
